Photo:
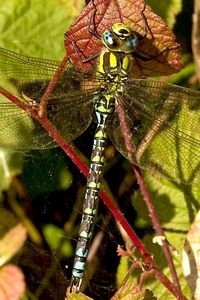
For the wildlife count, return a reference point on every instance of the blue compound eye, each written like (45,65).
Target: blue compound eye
(130,44)
(108,37)
(111,41)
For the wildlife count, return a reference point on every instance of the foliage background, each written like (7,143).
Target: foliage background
(36,28)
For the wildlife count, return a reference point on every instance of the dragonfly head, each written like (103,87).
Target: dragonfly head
(120,38)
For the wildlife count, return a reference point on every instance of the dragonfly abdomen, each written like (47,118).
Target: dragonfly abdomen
(103,108)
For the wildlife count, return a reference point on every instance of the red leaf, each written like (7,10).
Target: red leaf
(99,15)
(12,285)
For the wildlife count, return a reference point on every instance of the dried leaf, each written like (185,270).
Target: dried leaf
(158,40)
(12,284)
(12,236)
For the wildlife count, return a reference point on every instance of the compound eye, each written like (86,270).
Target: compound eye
(110,40)
(129,45)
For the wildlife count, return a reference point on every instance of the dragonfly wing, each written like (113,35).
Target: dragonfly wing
(19,131)
(68,108)
(164,123)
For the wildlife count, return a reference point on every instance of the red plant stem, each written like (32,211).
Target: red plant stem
(107,201)
(146,197)
(50,87)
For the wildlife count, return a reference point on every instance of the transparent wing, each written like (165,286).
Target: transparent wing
(69,106)
(164,122)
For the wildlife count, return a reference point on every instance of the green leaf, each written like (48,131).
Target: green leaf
(168,10)
(159,291)
(130,291)
(123,268)
(10,165)
(55,238)
(75,296)
(176,206)
(35,27)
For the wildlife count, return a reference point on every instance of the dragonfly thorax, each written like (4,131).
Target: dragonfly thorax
(114,68)
(113,64)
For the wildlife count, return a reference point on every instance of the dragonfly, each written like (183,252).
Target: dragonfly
(162,119)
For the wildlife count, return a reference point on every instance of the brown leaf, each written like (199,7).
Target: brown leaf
(12,284)
(12,236)
(158,40)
